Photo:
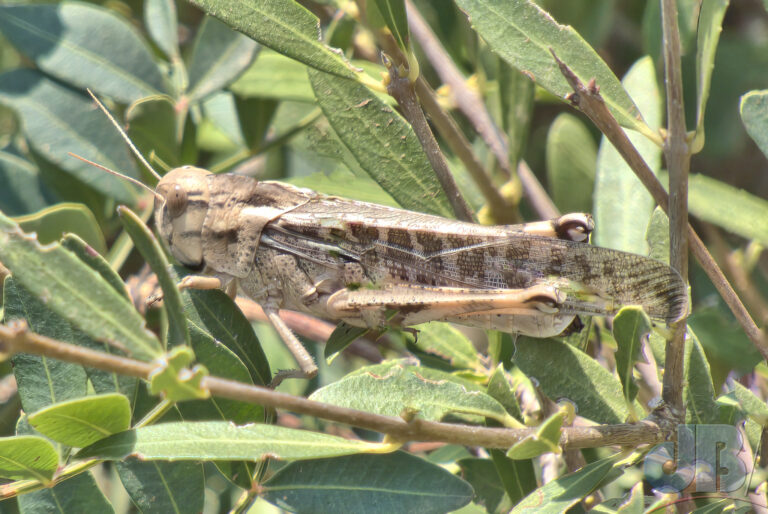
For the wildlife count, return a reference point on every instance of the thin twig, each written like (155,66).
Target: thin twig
(16,338)
(736,270)
(309,327)
(401,89)
(588,99)
(678,163)
(472,106)
(453,136)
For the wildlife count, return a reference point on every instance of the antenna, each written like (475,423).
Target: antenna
(121,175)
(125,137)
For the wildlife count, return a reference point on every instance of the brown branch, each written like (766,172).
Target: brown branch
(678,163)
(588,100)
(736,270)
(472,106)
(309,327)
(16,338)
(401,89)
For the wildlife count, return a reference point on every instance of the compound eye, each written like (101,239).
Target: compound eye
(176,201)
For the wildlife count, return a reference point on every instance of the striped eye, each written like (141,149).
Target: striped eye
(176,201)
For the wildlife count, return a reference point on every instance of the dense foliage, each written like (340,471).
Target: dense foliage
(252,87)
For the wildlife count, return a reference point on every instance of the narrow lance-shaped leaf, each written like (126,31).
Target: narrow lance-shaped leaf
(162,25)
(382,142)
(77,494)
(630,326)
(523,34)
(736,210)
(698,390)
(559,495)
(218,57)
(571,160)
(754,115)
(622,204)
(58,120)
(393,13)
(403,390)
(76,292)
(150,249)
(221,440)
(163,486)
(51,223)
(282,25)
(397,482)
(710,26)
(84,45)
(579,378)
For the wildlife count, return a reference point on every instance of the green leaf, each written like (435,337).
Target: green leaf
(516,92)
(382,142)
(219,56)
(345,184)
(595,392)
(85,420)
(282,25)
(622,204)
(518,476)
(60,39)
(546,439)
(89,256)
(448,343)
(76,292)
(23,191)
(710,26)
(750,405)
(571,161)
(162,26)
(482,476)
(501,390)
(630,326)
(57,120)
(221,440)
(163,486)
(396,482)
(657,236)
(153,128)
(635,504)
(276,76)
(213,312)
(77,494)
(698,391)
(393,14)
(51,223)
(102,381)
(175,380)
(341,337)
(27,457)
(220,130)
(754,116)
(402,390)
(753,406)
(523,35)
(222,362)
(734,209)
(41,381)
(152,252)
(560,494)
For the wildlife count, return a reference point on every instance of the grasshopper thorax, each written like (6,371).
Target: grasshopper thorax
(181,205)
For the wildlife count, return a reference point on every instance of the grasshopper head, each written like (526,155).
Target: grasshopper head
(180,208)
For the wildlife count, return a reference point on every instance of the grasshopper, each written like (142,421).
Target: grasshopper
(374,266)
